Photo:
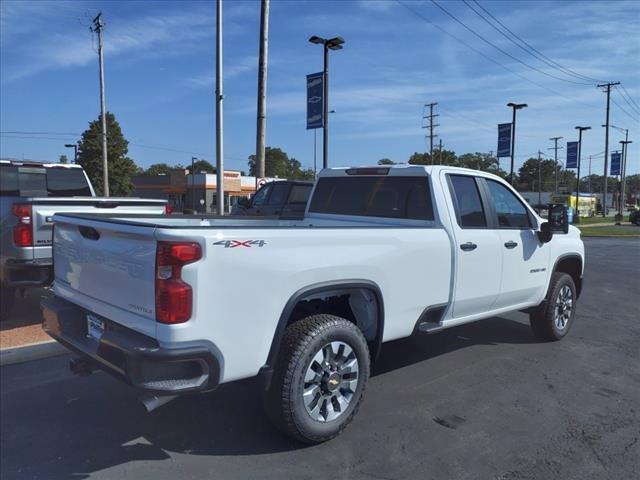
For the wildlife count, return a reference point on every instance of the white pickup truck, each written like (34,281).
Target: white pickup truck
(381,253)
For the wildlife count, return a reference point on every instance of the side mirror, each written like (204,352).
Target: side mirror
(545,233)
(558,218)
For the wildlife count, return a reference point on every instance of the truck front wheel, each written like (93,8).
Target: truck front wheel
(553,319)
(320,378)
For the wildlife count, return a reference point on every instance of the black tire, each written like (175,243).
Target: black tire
(552,320)
(7,301)
(302,341)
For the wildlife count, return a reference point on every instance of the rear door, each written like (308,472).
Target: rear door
(524,257)
(277,198)
(478,256)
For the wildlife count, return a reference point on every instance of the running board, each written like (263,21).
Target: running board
(430,327)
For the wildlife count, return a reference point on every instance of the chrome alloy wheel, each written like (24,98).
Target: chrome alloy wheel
(330,381)
(563,307)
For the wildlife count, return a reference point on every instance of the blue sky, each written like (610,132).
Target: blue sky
(159,62)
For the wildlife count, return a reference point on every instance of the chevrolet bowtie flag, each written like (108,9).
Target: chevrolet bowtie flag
(315,88)
(615,163)
(572,155)
(504,140)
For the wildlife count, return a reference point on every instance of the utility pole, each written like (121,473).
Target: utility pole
(97,29)
(431,126)
(262,89)
(75,150)
(539,178)
(590,192)
(193,188)
(608,86)
(580,130)
(555,156)
(439,154)
(625,148)
(219,119)
(515,107)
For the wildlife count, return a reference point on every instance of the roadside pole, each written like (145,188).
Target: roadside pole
(97,28)
(219,117)
(262,89)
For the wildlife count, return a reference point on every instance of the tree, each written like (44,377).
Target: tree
(386,161)
(203,166)
(158,169)
(528,175)
(481,161)
(278,164)
(444,157)
(63,159)
(420,159)
(121,167)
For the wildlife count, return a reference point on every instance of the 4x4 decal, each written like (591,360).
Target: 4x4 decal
(241,243)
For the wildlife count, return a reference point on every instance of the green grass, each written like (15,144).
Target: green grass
(610,231)
(597,220)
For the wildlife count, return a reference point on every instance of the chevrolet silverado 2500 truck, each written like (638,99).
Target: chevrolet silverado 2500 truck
(381,253)
(30,194)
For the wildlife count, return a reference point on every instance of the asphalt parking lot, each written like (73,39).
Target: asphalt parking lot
(482,401)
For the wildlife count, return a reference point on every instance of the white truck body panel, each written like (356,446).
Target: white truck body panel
(239,293)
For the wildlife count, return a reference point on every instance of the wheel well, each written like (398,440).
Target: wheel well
(572,266)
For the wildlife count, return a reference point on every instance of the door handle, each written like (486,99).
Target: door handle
(511,244)
(467,247)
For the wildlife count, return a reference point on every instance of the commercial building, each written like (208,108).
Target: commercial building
(197,192)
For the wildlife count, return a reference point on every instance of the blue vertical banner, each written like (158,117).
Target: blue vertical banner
(572,155)
(504,140)
(615,163)
(315,90)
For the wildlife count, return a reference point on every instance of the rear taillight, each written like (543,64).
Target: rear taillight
(168,209)
(174,297)
(23,231)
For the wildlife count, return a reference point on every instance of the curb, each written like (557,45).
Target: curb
(32,351)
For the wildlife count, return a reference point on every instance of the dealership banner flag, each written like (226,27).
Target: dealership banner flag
(504,140)
(615,163)
(572,155)
(315,89)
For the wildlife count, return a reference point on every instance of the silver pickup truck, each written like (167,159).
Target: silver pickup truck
(30,194)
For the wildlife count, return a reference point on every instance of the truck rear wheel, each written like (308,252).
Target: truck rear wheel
(320,378)
(554,318)
(7,300)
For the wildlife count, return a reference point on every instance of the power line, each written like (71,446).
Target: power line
(633,108)
(435,25)
(504,52)
(44,133)
(624,111)
(628,95)
(532,50)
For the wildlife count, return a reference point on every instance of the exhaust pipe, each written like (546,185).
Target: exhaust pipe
(151,401)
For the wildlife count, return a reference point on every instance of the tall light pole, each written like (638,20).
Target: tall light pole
(555,156)
(580,130)
(514,106)
(219,117)
(334,43)
(193,188)
(75,150)
(625,148)
(607,86)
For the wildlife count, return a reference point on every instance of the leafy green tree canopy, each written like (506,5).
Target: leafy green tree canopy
(200,166)
(386,161)
(278,164)
(63,159)
(121,167)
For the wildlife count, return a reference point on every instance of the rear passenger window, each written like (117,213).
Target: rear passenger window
(389,197)
(468,205)
(278,194)
(511,212)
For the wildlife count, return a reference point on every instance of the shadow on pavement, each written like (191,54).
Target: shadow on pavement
(90,424)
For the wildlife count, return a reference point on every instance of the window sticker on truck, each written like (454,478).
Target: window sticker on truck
(241,243)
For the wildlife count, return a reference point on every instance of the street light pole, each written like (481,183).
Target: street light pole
(580,130)
(328,44)
(193,188)
(75,150)
(625,149)
(514,106)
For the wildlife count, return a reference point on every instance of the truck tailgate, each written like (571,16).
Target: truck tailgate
(107,268)
(44,208)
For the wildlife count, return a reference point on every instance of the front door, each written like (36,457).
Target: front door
(525,258)
(478,255)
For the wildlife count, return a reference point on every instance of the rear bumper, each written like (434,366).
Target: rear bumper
(129,355)
(28,273)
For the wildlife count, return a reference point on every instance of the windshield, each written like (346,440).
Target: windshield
(29,181)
